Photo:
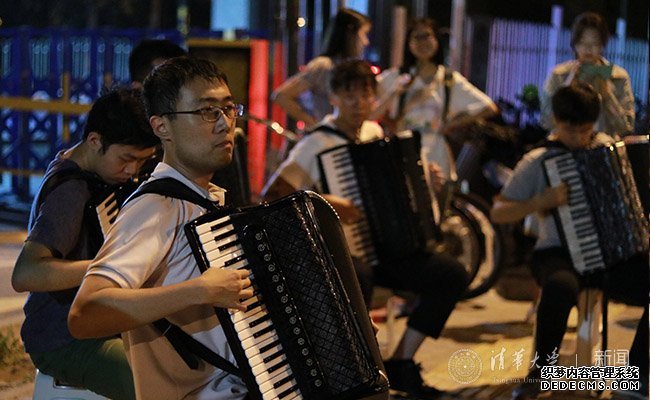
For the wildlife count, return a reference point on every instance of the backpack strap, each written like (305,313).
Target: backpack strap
(449,82)
(185,345)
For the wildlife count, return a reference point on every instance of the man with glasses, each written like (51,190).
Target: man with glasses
(145,271)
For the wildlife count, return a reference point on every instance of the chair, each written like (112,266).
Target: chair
(47,388)
(387,306)
(588,327)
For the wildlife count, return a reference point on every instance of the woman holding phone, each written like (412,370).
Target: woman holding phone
(589,36)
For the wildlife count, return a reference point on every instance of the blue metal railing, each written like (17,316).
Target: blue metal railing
(69,66)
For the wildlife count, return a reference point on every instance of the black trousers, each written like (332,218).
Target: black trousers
(437,278)
(639,348)
(554,273)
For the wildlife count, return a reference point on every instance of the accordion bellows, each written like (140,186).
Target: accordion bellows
(311,308)
(603,224)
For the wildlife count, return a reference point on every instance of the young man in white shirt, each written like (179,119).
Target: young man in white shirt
(145,271)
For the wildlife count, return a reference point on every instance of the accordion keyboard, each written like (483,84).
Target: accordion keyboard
(576,219)
(342,181)
(107,212)
(254,328)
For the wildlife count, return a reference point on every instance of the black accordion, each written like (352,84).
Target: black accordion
(603,223)
(306,333)
(107,204)
(386,180)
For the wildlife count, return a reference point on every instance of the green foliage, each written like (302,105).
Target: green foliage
(11,349)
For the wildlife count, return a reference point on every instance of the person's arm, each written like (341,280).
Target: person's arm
(383,103)
(42,265)
(463,119)
(102,308)
(618,103)
(37,270)
(280,187)
(507,211)
(467,103)
(287,97)
(277,188)
(348,213)
(390,85)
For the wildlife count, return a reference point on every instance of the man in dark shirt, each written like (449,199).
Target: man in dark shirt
(64,236)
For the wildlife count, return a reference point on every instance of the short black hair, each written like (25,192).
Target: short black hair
(119,117)
(162,86)
(144,53)
(351,72)
(576,104)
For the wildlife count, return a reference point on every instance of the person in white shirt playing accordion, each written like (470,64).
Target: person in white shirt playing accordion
(145,271)
(436,277)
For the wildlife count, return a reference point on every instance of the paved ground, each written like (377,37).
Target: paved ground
(488,326)
(11,240)
(482,329)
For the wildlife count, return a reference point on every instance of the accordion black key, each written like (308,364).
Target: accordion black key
(306,333)
(107,203)
(603,223)
(386,180)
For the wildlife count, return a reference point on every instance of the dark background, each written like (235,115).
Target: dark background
(161,14)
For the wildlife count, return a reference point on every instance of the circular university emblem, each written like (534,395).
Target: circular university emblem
(464,366)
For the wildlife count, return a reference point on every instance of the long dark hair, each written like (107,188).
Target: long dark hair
(341,31)
(589,20)
(409,59)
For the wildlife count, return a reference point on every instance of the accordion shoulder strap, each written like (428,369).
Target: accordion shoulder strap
(554,144)
(185,345)
(170,187)
(329,129)
(191,349)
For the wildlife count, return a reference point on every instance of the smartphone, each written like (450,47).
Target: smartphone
(591,71)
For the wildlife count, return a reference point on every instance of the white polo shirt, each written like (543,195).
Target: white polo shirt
(146,248)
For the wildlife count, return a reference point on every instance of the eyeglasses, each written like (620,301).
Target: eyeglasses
(422,36)
(213,113)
